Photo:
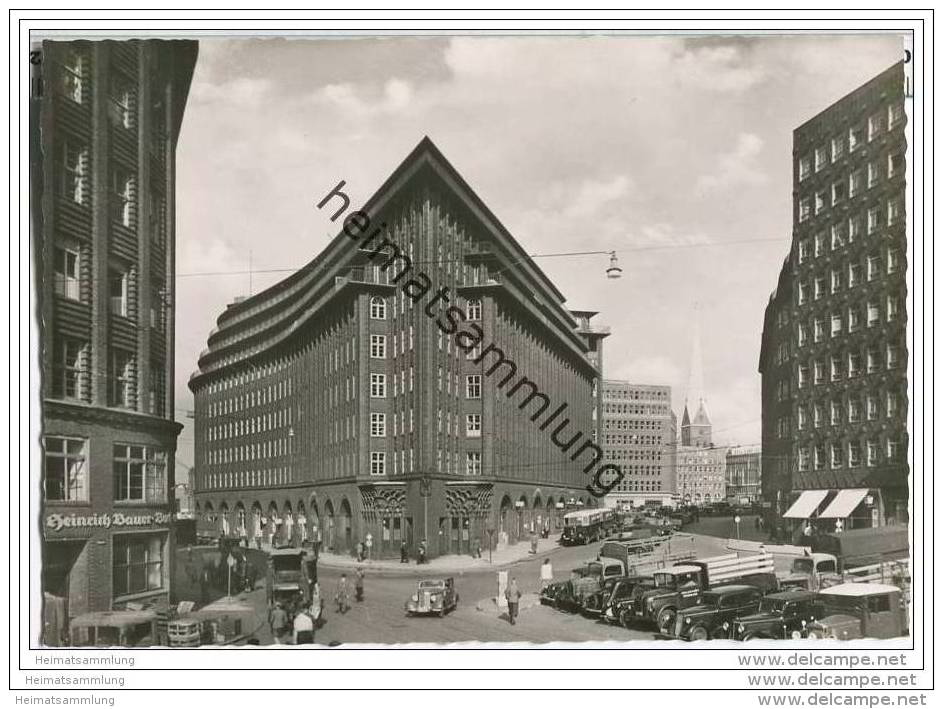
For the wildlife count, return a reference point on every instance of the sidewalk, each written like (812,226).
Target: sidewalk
(452,563)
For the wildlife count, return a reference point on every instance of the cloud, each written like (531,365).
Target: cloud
(722,69)
(241,92)
(738,168)
(365,102)
(593,194)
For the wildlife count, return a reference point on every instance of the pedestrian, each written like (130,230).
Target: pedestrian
(359,551)
(205,586)
(358,585)
(342,595)
(303,627)
(317,605)
(278,622)
(546,574)
(403,553)
(533,543)
(421,556)
(513,596)
(478,550)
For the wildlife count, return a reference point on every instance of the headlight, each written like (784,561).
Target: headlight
(687,620)
(650,603)
(415,599)
(726,625)
(740,627)
(433,598)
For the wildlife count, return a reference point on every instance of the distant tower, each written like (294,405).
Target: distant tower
(696,432)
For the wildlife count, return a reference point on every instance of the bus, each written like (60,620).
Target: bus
(588,526)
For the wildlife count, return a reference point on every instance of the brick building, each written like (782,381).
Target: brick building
(834,340)
(108,122)
(638,434)
(701,466)
(336,405)
(744,470)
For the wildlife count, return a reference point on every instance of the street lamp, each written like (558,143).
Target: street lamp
(614,271)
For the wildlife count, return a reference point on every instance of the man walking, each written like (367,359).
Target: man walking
(403,553)
(278,622)
(513,596)
(358,585)
(546,574)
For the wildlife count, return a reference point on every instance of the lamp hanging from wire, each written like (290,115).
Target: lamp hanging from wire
(614,271)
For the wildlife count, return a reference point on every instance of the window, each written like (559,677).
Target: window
(474,309)
(378,346)
(803,375)
(377,425)
(873,314)
(854,454)
(892,404)
(121,108)
(473,386)
(854,274)
(836,325)
(803,458)
(65,472)
(819,288)
(818,329)
(836,455)
(805,209)
(874,219)
(138,564)
(893,307)
(874,358)
(473,425)
(819,202)
(893,356)
(118,291)
(73,170)
(377,463)
(872,174)
(805,167)
(803,250)
(835,363)
(157,305)
(838,240)
(835,411)
(122,196)
(854,228)
(803,293)
(838,192)
(74,68)
(895,164)
(875,125)
(894,211)
(855,182)
(874,267)
(802,335)
(855,137)
(377,386)
(377,308)
(66,264)
(895,114)
(819,452)
(473,463)
(854,364)
(819,372)
(854,411)
(821,157)
(872,406)
(68,376)
(872,447)
(854,318)
(156,388)
(121,378)
(801,419)
(819,244)
(836,281)
(140,474)
(838,148)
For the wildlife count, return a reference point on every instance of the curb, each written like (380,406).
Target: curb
(431,569)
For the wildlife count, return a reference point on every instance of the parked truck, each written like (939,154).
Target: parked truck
(680,586)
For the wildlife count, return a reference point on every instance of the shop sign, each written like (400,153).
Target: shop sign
(57,522)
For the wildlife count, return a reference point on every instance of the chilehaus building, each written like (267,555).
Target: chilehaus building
(419,379)
(106,133)
(834,352)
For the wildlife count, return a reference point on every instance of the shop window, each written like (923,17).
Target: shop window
(138,564)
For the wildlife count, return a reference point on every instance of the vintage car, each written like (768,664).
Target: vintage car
(613,589)
(620,600)
(434,596)
(288,574)
(779,616)
(549,592)
(715,612)
(860,610)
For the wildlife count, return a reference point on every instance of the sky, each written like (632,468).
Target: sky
(675,152)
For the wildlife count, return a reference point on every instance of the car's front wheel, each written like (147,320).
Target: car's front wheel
(699,632)
(625,618)
(666,619)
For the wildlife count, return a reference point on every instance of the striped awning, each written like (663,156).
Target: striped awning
(807,503)
(844,503)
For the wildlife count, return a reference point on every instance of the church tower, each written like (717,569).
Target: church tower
(697,432)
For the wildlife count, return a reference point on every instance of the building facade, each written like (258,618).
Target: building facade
(638,434)
(845,327)
(344,405)
(109,117)
(701,466)
(744,471)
